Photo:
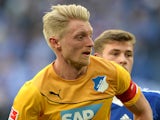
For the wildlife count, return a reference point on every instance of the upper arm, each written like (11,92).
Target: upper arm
(127,91)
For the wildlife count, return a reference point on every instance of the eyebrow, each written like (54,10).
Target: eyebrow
(114,49)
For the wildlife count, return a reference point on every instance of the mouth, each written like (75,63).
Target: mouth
(87,53)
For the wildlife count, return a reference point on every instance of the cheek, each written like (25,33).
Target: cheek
(72,49)
(67,46)
(130,62)
(109,57)
(104,56)
(76,47)
(130,65)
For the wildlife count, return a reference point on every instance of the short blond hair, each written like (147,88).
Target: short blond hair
(112,35)
(56,21)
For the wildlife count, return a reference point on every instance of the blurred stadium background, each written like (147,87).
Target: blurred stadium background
(23,51)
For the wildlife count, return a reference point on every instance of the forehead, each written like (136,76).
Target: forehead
(121,46)
(76,26)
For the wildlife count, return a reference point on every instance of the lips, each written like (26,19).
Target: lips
(87,53)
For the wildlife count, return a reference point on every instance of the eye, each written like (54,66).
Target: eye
(115,53)
(83,35)
(129,54)
(80,36)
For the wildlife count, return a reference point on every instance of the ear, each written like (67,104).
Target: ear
(97,54)
(54,42)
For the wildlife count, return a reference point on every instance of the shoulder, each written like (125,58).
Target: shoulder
(28,90)
(31,88)
(116,74)
(153,97)
(150,90)
(100,62)
(151,93)
(45,71)
(111,65)
(28,94)
(100,66)
(27,102)
(42,76)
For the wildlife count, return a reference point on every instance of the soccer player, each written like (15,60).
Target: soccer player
(76,85)
(118,45)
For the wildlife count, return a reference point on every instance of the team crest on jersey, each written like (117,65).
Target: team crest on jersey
(13,114)
(100,83)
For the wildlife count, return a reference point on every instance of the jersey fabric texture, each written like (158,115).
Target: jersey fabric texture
(119,112)
(50,97)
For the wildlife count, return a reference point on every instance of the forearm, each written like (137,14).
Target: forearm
(144,111)
(144,116)
(141,109)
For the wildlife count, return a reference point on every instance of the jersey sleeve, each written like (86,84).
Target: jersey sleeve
(127,91)
(154,103)
(157,109)
(26,104)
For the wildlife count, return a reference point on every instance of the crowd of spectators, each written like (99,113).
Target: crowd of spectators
(23,51)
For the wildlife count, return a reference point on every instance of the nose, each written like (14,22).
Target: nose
(90,42)
(122,60)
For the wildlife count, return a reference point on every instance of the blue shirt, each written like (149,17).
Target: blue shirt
(120,112)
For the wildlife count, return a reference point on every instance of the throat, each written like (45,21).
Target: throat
(69,73)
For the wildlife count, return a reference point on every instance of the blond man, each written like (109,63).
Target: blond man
(75,86)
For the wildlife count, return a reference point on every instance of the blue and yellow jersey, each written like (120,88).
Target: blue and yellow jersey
(50,97)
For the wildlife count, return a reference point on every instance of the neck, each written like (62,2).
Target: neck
(68,71)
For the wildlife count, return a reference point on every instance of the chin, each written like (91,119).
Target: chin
(85,62)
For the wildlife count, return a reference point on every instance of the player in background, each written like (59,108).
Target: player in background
(118,46)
